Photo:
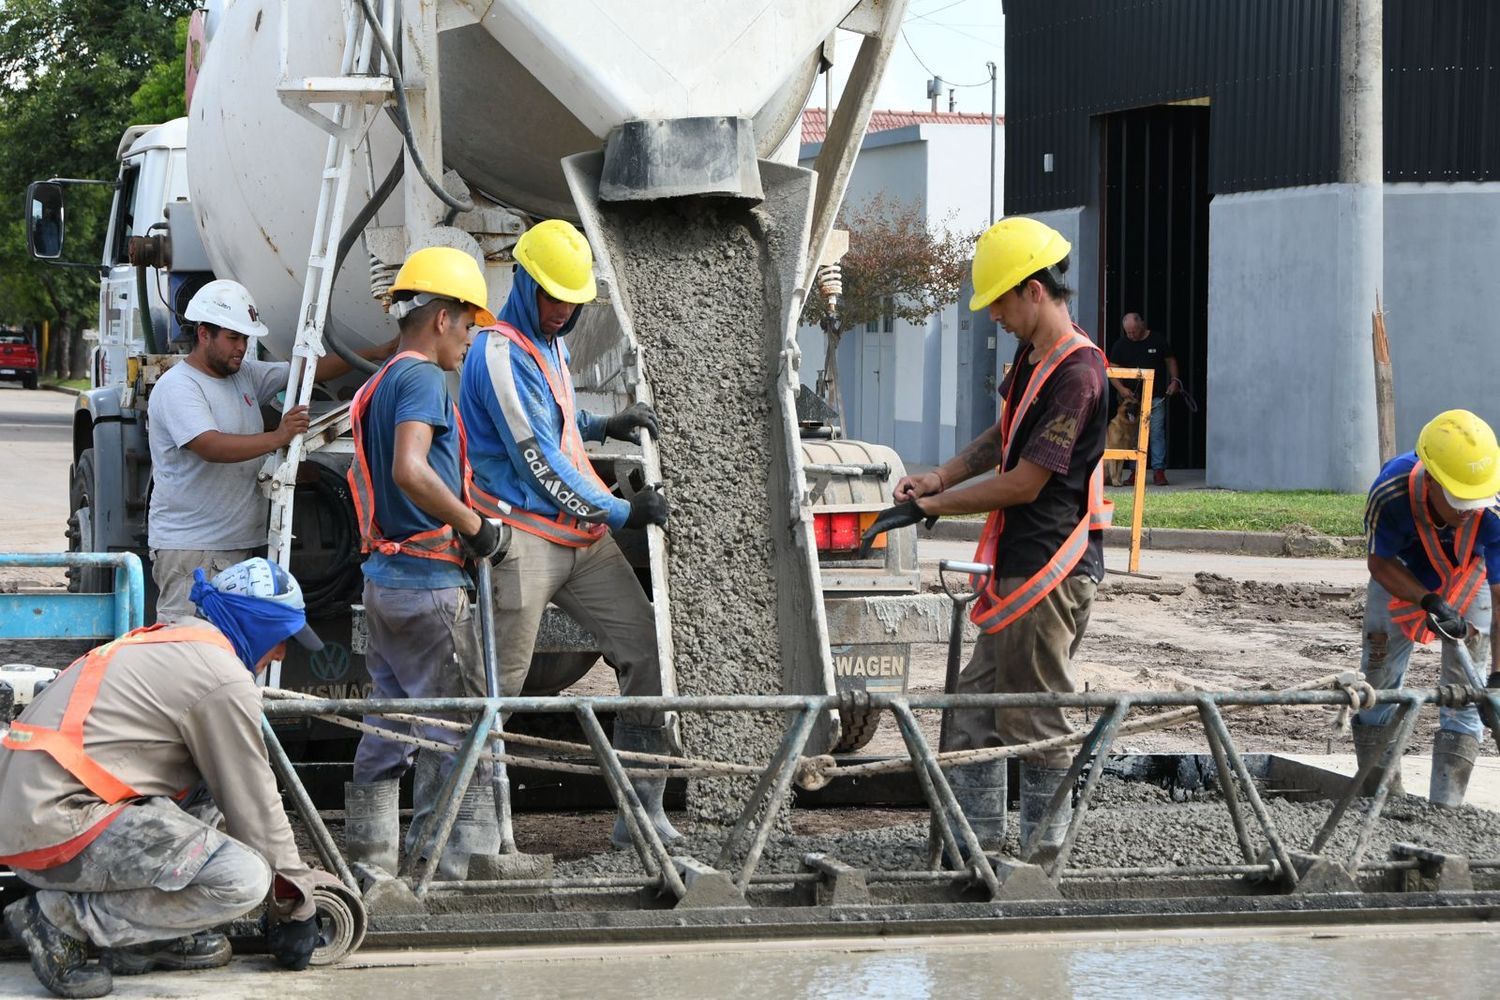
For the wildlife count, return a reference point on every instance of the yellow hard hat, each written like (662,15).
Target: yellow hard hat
(1459,451)
(556,254)
(450,273)
(1011,251)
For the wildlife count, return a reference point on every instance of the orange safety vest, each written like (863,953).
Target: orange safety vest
(993,611)
(65,743)
(1460,579)
(436,543)
(562,529)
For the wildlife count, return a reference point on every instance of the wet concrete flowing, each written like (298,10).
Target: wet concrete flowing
(696,276)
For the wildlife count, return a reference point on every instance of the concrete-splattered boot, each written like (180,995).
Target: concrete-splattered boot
(981,791)
(644,739)
(1453,756)
(1369,743)
(1038,785)
(193,953)
(60,961)
(476,830)
(372,823)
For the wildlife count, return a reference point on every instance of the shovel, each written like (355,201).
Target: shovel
(499,779)
(1490,714)
(979,574)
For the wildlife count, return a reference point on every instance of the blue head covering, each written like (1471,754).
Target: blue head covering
(520,308)
(253,625)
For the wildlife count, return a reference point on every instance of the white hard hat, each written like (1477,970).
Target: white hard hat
(227,304)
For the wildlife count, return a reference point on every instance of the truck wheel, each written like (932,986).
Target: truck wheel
(28,382)
(83,580)
(857,727)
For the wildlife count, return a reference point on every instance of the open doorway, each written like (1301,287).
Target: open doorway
(1154,238)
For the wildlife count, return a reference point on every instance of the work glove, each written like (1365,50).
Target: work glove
(892,518)
(626,425)
(648,507)
(490,542)
(291,919)
(1443,618)
(292,942)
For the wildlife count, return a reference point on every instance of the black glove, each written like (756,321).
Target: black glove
(1494,681)
(292,942)
(626,425)
(648,507)
(1444,618)
(892,518)
(490,542)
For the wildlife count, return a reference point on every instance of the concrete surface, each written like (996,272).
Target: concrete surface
(1416,771)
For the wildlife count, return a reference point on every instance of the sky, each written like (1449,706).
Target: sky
(952,39)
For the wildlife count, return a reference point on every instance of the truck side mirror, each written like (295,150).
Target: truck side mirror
(44,220)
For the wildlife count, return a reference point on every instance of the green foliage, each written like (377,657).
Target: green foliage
(1341,514)
(73,75)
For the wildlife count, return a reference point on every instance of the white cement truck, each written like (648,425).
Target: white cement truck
(326,140)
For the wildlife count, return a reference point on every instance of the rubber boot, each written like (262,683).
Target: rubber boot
(60,961)
(1453,756)
(204,950)
(644,739)
(1369,743)
(372,823)
(1038,785)
(981,790)
(476,830)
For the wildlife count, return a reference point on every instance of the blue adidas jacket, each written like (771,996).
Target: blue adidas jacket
(510,409)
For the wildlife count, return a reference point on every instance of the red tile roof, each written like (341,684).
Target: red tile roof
(815,121)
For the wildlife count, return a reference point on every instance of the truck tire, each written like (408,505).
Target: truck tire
(28,381)
(80,500)
(856,728)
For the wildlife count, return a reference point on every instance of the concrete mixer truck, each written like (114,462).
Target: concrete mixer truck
(324,141)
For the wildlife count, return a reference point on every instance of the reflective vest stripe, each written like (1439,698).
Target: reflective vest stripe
(993,611)
(561,529)
(435,543)
(65,743)
(1459,578)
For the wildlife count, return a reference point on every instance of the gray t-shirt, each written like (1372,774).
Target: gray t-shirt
(208,505)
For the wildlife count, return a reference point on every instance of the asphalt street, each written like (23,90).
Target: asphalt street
(35,453)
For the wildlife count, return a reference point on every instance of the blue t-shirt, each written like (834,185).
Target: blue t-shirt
(1390,531)
(417,391)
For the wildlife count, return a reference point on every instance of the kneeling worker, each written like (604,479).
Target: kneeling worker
(90,772)
(1044,536)
(531,471)
(1434,555)
(409,482)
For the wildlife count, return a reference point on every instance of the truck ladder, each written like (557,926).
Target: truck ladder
(353,98)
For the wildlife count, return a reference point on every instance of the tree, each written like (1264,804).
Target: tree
(70,75)
(896,266)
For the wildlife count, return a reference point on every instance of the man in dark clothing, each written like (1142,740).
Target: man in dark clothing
(1044,536)
(1142,347)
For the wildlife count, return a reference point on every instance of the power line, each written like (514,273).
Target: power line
(939,10)
(983,83)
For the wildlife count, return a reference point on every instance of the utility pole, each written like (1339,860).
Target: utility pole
(1354,450)
(994,124)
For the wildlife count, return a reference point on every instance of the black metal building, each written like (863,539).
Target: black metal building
(1143,110)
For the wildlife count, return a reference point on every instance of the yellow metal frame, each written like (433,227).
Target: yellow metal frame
(1138,454)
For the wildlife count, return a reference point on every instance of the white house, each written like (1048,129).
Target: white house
(919,389)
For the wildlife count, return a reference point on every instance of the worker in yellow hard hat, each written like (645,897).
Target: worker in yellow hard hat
(1434,554)
(416,522)
(526,440)
(1044,536)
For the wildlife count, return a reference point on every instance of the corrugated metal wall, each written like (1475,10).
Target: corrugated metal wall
(1270,69)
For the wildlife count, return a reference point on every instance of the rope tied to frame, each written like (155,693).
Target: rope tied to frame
(1361,697)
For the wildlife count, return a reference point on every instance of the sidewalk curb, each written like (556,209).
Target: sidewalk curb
(65,390)
(1249,543)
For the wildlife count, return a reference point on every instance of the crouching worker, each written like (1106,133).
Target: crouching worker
(91,776)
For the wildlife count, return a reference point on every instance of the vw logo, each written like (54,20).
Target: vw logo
(329,663)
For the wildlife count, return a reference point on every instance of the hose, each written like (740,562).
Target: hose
(330,592)
(404,114)
(346,243)
(143,308)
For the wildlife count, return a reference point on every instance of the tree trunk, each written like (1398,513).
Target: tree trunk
(1385,387)
(57,365)
(78,353)
(832,333)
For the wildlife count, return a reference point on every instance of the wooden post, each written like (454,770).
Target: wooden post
(1385,387)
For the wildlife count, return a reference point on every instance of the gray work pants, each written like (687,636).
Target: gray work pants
(1035,653)
(172,569)
(156,873)
(597,587)
(423,644)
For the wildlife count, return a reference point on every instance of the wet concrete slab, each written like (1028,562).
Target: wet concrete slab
(1373,962)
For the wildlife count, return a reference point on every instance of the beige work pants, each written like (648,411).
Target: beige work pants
(597,587)
(1035,653)
(172,569)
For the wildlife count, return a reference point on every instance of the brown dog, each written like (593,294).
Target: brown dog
(1124,432)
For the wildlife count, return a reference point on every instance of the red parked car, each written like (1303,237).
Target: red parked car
(18,361)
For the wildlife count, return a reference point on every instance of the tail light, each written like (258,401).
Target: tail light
(841,531)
